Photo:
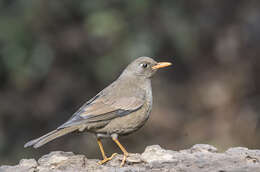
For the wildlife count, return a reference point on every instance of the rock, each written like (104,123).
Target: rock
(29,163)
(63,161)
(203,148)
(200,157)
(156,154)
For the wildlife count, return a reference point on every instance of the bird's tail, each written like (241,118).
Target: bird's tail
(50,136)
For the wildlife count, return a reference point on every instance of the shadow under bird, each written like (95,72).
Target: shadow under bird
(120,109)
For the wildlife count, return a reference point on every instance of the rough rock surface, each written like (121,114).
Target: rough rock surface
(199,158)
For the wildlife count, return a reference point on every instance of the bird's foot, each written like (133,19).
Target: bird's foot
(124,159)
(106,159)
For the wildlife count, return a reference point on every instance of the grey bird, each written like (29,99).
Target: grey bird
(120,109)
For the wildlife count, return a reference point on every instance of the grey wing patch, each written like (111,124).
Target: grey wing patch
(76,118)
(101,109)
(109,115)
(72,121)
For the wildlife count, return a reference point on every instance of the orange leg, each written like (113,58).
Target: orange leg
(105,158)
(122,149)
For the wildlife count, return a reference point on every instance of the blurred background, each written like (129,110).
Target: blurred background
(55,55)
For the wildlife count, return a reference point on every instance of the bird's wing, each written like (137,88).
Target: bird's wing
(105,108)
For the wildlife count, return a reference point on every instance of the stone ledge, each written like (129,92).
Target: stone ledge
(200,157)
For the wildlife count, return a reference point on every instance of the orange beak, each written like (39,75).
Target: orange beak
(161,65)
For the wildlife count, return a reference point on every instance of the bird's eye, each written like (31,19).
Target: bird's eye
(144,65)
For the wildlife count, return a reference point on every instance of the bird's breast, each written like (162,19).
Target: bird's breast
(149,99)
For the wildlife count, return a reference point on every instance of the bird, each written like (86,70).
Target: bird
(121,108)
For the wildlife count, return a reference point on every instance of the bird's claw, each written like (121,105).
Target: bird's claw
(107,159)
(124,159)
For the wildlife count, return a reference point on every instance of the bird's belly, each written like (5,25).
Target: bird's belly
(129,123)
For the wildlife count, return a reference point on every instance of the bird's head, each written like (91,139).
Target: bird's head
(144,67)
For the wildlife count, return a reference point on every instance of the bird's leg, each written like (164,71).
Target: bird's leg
(105,158)
(122,149)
